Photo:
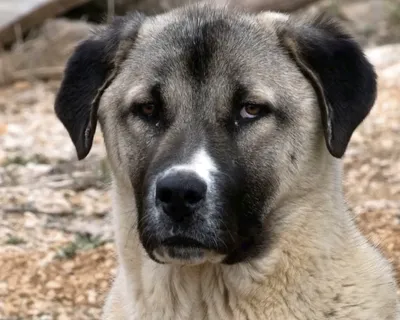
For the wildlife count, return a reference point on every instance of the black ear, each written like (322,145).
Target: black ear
(344,80)
(88,73)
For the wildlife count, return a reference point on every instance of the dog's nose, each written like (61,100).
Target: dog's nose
(180,193)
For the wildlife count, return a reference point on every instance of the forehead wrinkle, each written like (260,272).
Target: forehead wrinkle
(216,94)
(261,93)
(177,93)
(136,93)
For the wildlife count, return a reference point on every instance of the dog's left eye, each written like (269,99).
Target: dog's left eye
(147,109)
(250,111)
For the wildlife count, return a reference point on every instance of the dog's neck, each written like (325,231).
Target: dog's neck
(308,216)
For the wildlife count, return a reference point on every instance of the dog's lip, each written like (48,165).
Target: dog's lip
(184,242)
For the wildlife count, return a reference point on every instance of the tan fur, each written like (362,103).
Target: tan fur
(321,267)
(317,233)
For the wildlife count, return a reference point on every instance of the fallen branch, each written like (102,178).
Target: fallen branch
(42,73)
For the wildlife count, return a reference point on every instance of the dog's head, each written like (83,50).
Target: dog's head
(212,117)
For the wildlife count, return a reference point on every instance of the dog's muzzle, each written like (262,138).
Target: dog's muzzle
(188,216)
(181,203)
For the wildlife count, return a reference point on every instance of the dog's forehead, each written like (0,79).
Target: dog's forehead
(202,41)
(204,54)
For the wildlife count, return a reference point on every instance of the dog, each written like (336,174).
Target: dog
(224,132)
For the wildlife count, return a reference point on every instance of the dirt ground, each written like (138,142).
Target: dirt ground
(56,251)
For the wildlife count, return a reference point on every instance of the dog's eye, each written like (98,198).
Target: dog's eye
(147,109)
(250,111)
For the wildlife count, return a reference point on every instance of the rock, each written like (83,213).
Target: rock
(63,316)
(3,288)
(31,220)
(54,205)
(384,56)
(91,296)
(53,285)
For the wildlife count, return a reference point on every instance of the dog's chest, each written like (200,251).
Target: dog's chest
(198,294)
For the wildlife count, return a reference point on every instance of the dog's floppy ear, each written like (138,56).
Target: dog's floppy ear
(89,71)
(344,80)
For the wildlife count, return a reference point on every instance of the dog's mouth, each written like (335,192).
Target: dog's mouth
(184,250)
(183,242)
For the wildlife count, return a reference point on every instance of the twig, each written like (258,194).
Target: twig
(20,209)
(110,10)
(42,73)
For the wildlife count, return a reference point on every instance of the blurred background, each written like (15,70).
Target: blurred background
(56,251)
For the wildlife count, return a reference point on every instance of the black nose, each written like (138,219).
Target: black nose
(179,194)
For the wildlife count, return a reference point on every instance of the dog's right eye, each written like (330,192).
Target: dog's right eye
(250,111)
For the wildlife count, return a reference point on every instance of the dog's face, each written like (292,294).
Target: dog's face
(212,118)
